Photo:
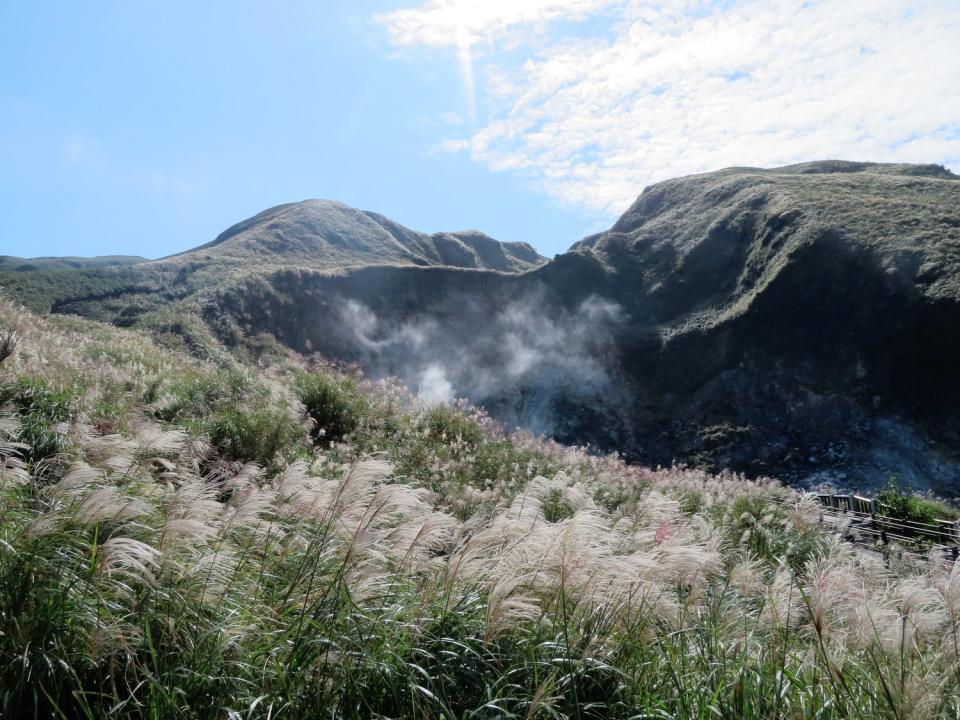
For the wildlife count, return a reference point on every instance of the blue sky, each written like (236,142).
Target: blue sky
(146,128)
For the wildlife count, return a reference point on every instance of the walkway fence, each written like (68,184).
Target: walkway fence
(866,522)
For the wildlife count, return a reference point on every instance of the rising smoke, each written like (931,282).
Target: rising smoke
(517,360)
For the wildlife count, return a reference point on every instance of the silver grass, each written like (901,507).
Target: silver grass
(193,515)
(249,477)
(129,558)
(79,478)
(212,574)
(178,533)
(746,577)
(783,607)
(12,468)
(13,471)
(155,441)
(113,451)
(304,495)
(46,523)
(109,505)
(111,638)
(921,608)
(806,512)
(687,564)
(358,487)
(876,622)
(196,499)
(248,509)
(412,544)
(508,606)
(949,586)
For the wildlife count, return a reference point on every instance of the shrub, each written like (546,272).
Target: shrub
(555,506)
(197,396)
(447,423)
(40,407)
(108,413)
(691,503)
(611,498)
(445,447)
(254,435)
(335,406)
(904,505)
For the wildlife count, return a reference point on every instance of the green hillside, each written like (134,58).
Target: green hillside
(8,263)
(796,322)
(200,537)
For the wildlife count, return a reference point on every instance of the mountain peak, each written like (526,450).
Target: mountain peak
(833,184)
(328,234)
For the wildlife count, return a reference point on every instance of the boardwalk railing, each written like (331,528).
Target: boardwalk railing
(868,523)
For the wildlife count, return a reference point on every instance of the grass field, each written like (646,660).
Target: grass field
(197,539)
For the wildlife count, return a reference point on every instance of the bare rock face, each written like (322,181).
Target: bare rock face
(800,322)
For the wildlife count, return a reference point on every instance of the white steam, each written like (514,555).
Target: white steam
(517,358)
(434,388)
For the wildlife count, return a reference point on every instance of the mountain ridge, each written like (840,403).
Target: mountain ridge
(332,233)
(793,321)
(11,263)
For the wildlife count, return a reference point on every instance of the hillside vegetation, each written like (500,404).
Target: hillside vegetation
(8,263)
(319,235)
(797,322)
(188,535)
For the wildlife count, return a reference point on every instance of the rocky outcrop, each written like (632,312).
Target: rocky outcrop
(801,322)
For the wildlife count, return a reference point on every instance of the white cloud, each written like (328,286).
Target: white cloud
(465,23)
(669,88)
(444,23)
(451,118)
(81,150)
(451,145)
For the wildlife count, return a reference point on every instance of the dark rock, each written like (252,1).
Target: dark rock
(802,321)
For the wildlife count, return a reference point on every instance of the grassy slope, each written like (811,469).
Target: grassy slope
(314,234)
(836,284)
(10,263)
(186,538)
(707,245)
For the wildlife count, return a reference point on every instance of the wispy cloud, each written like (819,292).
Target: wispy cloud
(464,24)
(451,145)
(659,89)
(80,150)
(88,156)
(442,23)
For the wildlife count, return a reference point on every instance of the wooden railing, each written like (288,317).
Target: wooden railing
(867,523)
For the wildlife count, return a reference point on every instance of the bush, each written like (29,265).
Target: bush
(254,435)
(336,407)
(448,423)
(904,505)
(691,503)
(198,396)
(556,507)
(40,408)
